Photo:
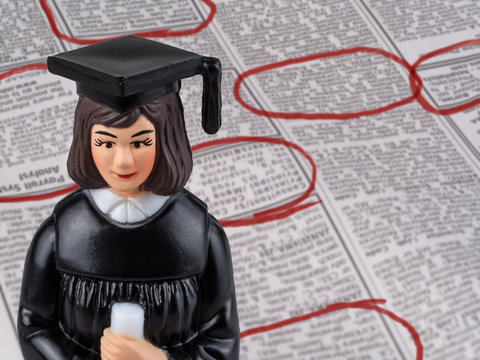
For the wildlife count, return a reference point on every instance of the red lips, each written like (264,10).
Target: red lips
(125,176)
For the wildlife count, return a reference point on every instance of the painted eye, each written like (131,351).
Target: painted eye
(138,144)
(108,144)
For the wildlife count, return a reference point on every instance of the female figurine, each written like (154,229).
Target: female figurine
(130,235)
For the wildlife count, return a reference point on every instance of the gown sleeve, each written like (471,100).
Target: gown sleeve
(38,327)
(218,335)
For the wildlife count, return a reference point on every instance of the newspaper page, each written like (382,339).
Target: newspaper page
(379,257)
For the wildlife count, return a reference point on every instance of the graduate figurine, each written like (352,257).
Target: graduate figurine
(131,265)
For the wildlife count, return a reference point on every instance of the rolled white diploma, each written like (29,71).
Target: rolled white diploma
(128,319)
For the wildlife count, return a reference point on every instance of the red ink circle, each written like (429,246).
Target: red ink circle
(369,304)
(21,69)
(416,81)
(322,116)
(49,195)
(276,213)
(163,33)
(279,212)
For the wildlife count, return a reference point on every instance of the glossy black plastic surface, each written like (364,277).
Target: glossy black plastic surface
(176,264)
(129,71)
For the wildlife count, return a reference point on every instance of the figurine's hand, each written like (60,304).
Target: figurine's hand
(114,346)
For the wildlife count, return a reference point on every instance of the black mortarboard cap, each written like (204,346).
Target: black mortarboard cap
(129,71)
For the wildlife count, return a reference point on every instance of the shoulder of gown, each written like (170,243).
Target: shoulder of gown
(171,244)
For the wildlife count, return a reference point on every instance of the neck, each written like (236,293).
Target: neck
(129,194)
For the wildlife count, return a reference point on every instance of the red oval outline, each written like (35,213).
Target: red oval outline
(21,69)
(278,212)
(49,195)
(322,116)
(368,304)
(419,82)
(163,33)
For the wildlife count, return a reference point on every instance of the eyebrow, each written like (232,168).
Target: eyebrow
(105,133)
(142,132)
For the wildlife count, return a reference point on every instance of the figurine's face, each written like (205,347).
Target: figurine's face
(124,156)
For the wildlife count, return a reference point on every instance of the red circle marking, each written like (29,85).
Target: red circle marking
(21,69)
(369,304)
(276,213)
(49,195)
(163,33)
(279,212)
(322,116)
(417,83)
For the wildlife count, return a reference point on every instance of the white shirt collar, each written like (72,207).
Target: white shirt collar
(127,210)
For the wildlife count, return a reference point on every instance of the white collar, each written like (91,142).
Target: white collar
(127,210)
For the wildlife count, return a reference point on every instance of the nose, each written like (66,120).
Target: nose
(123,158)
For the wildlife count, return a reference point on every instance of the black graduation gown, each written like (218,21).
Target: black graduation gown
(176,264)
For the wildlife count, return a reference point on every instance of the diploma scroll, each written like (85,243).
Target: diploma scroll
(128,319)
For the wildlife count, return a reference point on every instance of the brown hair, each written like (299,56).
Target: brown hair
(173,159)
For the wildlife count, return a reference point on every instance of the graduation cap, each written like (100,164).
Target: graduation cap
(129,71)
